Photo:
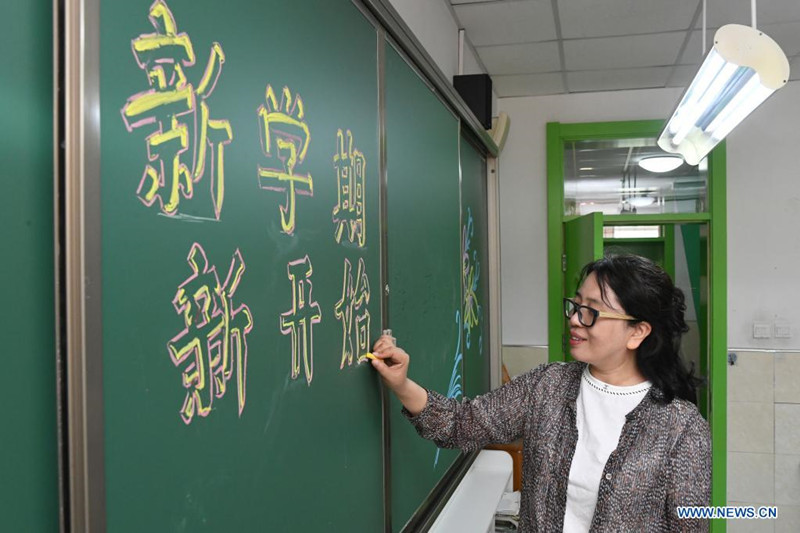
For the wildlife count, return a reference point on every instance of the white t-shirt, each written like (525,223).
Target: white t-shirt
(601,410)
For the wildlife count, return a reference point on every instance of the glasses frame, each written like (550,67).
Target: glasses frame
(596,313)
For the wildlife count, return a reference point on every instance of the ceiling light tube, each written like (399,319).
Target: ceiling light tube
(743,68)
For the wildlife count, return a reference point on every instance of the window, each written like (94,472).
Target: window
(604,175)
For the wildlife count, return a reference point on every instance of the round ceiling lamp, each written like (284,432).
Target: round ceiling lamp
(661,163)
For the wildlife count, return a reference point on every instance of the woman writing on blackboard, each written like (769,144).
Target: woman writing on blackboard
(611,441)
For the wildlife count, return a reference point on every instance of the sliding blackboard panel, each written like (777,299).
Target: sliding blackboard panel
(475,268)
(241,255)
(424,268)
(29,458)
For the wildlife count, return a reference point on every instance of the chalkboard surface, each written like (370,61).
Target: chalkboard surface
(424,267)
(29,458)
(241,266)
(475,268)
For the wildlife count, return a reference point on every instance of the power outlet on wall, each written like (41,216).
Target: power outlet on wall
(783,331)
(762,330)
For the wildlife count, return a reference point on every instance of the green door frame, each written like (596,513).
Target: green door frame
(557,135)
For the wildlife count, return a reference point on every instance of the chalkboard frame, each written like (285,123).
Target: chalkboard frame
(79,27)
(78,31)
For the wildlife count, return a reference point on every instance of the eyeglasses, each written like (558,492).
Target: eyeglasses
(587,315)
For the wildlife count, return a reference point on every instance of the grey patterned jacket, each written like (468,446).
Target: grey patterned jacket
(663,459)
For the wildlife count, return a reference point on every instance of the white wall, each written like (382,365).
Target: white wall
(433,25)
(763,208)
(764,222)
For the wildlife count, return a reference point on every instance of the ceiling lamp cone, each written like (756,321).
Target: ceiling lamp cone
(743,69)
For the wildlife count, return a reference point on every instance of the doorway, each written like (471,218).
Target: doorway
(601,199)
(681,249)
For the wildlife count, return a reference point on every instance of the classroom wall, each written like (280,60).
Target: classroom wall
(433,25)
(763,437)
(763,216)
(763,257)
(763,253)
(523,194)
(763,207)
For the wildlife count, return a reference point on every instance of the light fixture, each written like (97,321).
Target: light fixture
(743,68)
(633,197)
(641,201)
(661,163)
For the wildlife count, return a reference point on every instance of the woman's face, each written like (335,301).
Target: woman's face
(609,341)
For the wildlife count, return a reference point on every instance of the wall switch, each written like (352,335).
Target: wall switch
(783,331)
(762,330)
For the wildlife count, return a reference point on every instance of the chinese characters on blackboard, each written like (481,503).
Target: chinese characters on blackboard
(212,346)
(185,145)
(178,115)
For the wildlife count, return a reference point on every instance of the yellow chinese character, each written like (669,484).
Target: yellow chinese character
(300,319)
(355,298)
(285,137)
(350,211)
(213,343)
(171,106)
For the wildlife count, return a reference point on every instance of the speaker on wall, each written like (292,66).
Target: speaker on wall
(476,90)
(499,131)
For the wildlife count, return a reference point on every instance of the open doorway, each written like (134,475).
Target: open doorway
(681,249)
(600,197)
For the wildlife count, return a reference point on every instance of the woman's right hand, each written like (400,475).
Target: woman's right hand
(391,363)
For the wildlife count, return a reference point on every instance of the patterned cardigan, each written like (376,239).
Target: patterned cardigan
(663,459)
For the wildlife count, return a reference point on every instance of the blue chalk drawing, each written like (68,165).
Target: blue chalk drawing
(470,274)
(454,389)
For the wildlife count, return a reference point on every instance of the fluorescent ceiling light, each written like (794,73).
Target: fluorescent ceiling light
(743,68)
(661,163)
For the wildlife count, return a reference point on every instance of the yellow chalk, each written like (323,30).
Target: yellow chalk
(370,355)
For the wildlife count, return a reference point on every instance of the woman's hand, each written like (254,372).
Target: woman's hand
(392,364)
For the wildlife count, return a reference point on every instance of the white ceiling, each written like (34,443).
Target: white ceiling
(537,47)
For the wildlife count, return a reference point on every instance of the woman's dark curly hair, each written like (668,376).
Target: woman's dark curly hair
(647,292)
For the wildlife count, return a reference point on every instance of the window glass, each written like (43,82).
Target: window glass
(631,232)
(608,176)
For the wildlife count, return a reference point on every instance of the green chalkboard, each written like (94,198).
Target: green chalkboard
(475,268)
(424,237)
(234,309)
(241,250)
(29,458)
